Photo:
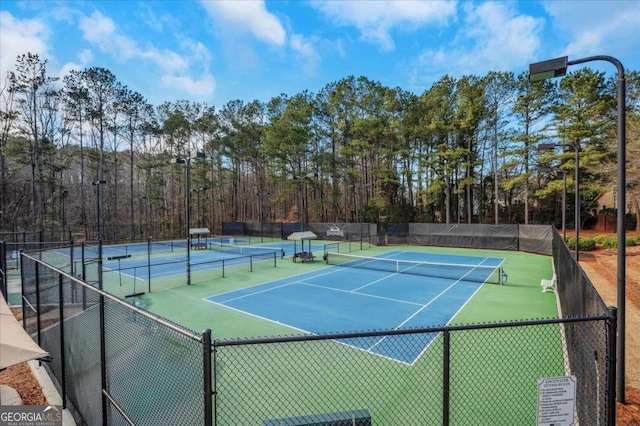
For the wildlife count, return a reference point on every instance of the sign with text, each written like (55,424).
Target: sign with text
(556,401)
(30,415)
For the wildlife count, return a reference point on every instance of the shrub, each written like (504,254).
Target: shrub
(586,243)
(610,242)
(599,239)
(571,243)
(630,242)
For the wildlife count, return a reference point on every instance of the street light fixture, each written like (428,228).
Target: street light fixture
(187,162)
(556,68)
(550,147)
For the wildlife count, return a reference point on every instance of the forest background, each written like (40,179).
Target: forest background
(86,157)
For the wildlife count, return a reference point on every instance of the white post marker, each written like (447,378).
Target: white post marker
(556,401)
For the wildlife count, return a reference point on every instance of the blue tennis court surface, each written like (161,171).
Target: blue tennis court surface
(342,299)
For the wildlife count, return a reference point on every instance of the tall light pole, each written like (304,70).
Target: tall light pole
(549,147)
(187,164)
(556,68)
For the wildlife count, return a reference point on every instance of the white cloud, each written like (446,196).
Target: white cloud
(19,37)
(375,19)
(84,59)
(201,88)
(304,48)
(597,28)
(247,16)
(101,31)
(492,37)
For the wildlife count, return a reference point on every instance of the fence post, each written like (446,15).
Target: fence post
(612,325)
(149,263)
(103,358)
(100,264)
(445,377)
(72,267)
(22,291)
(3,267)
(38,308)
(63,373)
(206,368)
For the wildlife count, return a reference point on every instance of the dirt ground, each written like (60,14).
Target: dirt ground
(600,266)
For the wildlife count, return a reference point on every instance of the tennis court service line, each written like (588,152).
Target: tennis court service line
(429,303)
(359,294)
(262,318)
(254,293)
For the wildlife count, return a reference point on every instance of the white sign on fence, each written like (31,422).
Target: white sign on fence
(556,401)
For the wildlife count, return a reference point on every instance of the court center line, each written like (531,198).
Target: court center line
(373,282)
(422,308)
(359,294)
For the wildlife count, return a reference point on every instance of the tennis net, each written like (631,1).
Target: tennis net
(454,271)
(246,250)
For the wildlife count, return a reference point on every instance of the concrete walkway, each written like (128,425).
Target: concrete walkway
(50,391)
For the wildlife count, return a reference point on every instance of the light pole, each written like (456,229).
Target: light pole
(187,163)
(556,68)
(98,184)
(564,197)
(551,146)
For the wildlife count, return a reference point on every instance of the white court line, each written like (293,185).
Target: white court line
(358,294)
(428,303)
(251,294)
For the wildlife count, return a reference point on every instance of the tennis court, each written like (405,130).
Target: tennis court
(395,290)
(165,265)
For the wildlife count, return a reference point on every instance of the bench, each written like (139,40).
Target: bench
(304,256)
(199,246)
(340,418)
(549,285)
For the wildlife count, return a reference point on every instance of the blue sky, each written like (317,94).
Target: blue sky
(218,51)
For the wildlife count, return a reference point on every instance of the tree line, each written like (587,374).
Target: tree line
(87,154)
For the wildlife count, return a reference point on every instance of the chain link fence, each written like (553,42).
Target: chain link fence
(119,364)
(465,375)
(116,363)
